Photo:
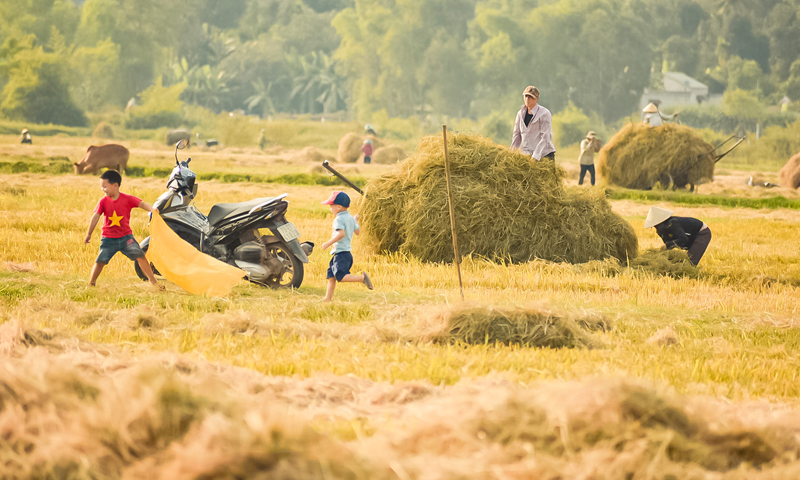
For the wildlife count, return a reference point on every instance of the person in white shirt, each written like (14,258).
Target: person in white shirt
(655,118)
(533,128)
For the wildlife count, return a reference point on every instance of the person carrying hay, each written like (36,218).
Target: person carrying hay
(653,117)
(589,146)
(344,226)
(683,232)
(533,128)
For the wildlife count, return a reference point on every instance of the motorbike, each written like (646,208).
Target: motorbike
(253,236)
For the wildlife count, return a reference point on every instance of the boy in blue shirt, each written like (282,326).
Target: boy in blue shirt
(344,226)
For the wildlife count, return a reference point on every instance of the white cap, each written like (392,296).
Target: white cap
(656,215)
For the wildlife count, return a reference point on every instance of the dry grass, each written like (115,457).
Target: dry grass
(78,410)
(123,382)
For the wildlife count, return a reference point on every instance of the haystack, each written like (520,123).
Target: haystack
(388,155)
(790,173)
(309,154)
(350,147)
(508,208)
(639,156)
(674,263)
(530,327)
(103,130)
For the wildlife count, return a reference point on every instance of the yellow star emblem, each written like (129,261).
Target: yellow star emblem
(115,219)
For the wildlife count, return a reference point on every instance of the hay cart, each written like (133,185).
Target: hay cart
(668,179)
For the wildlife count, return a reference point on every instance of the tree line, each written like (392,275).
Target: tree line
(461,58)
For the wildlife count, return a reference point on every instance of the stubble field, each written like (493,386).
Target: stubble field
(693,378)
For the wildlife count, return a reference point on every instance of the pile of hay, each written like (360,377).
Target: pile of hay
(640,156)
(350,147)
(388,155)
(530,327)
(508,208)
(309,154)
(674,263)
(790,173)
(103,130)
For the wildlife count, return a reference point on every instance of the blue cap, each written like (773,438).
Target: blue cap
(338,198)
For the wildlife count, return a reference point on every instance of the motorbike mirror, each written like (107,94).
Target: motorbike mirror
(182,143)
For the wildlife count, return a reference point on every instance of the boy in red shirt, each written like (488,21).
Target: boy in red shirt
(117,235)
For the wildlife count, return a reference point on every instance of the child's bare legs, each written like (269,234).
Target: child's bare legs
(347,278)
(96,269)
(330,288)
(145,266)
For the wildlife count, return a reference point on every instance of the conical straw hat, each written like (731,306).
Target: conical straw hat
(650,108)
(656,215)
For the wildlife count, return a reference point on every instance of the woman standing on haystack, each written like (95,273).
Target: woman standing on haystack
(683,232)
(533,128)
(653,117)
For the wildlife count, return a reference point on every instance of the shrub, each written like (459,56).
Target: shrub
(570,125)
(160,107)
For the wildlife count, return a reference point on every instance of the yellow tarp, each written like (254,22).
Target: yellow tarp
(187,267)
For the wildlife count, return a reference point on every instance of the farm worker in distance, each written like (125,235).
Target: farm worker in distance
(589,146)
(653,117)
(533,128)
(25,137)
(367,150)
(683,232)
(368,130)
(344,226)
(117,235)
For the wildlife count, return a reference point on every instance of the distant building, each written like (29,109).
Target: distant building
(679,89)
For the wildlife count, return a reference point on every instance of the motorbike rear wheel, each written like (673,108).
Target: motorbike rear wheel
(139,272)
(292,269)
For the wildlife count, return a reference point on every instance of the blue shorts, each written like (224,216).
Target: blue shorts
(340,265)
(110,246)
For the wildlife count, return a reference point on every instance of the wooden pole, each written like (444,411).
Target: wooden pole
(457,256)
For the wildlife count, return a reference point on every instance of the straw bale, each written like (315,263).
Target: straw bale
(790,173)
(508,208)
(674,263)
(530,327)
(664,337)
(640,156)
(388,154)
(350,147)
(309,154)
(103,130)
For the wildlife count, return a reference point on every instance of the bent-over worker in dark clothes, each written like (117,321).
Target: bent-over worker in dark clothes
(686,233)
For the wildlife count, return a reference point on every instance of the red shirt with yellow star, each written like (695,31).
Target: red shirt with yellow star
(118,214)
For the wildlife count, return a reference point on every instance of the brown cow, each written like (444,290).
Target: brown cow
(105,156)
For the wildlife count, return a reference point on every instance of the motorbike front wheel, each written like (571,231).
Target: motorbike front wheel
(280,257)
(139,272)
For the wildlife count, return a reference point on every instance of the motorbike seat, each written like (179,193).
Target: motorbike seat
(221,211)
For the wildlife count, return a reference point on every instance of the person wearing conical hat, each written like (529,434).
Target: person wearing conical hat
(686,233)
(589,146)
(25,137)
(367,150)
(653,117)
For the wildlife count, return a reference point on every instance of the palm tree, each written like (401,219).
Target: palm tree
(261,97)
(316,83)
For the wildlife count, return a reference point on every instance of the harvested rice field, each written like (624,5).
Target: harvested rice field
(606,369)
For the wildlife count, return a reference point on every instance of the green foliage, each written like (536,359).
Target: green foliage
(570,125)
(36,93)
(160,107)
(742,104)
(498,126)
